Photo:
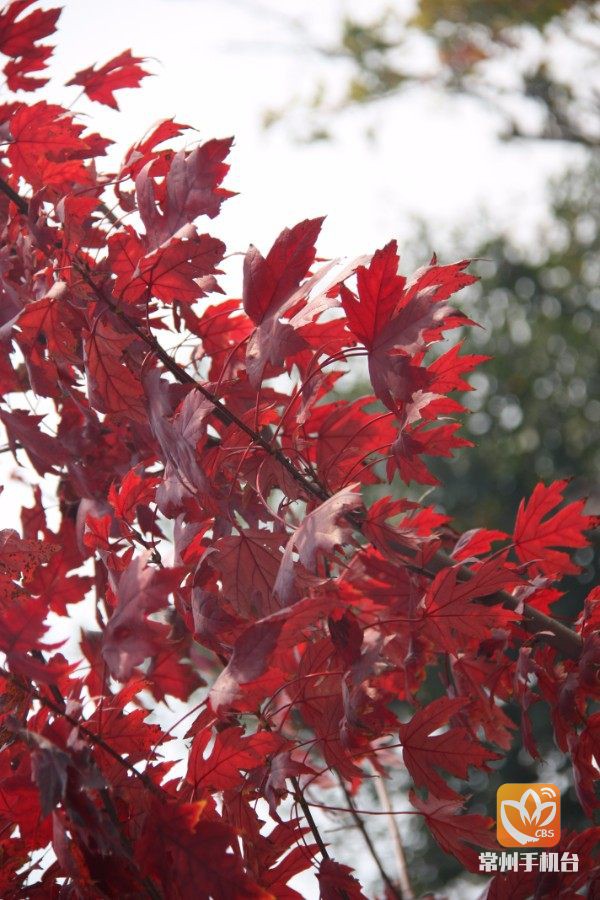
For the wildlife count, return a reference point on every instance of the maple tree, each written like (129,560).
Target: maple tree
(211,513)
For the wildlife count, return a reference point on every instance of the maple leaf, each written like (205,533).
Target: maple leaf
(55,587)
(470,677)
(19,36)
(135,490)
(456,833)
(394,319)
(589,621)
(232,752)
(221,329)
(172,671)
(49,767)
(248,564)
(146,150)
(453,750)
(112,386)
(129,638)
(449,609)
(176,270)
(248,663)
(320,532)
(583,749)
(449,369)
(476,542)
(282,767)
(22,428)
(23,555)
(413,442)
(21,627)
(178,434)
(177,846)
(337,880)
(538,534)
(51,321)
(346,636)
(123,71)
(48,148)
(128,733)
(192,189)
(346,435)
(417,526)
(269,283)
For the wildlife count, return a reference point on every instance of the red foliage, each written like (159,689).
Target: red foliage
(211,518)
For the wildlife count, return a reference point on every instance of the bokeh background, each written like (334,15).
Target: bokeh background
(465,127)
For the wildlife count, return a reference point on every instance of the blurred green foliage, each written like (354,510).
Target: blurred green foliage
(498,52)
(535,413)
(496,15)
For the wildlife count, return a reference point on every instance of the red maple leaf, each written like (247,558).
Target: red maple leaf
(337,880)
(19,36)
(130,637)
(177,270)
(192,189)
(395,320)
(320,532)
(450,610)
(123,71)
(135,490)
(232,753)
(453,750)
(48,147)
(456,833)
(538,534)
(248,564)
(272,285)
(112,385)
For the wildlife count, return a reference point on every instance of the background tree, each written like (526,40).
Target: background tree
(534,63)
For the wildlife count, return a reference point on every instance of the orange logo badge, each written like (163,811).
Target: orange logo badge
(528,815)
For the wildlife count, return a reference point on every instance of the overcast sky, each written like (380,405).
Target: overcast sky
(220,63)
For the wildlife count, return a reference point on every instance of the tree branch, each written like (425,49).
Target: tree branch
(299,798)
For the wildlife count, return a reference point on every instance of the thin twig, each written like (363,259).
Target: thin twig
(401,866)
(393,888)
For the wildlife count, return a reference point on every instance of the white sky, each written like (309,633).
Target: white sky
(220,63)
